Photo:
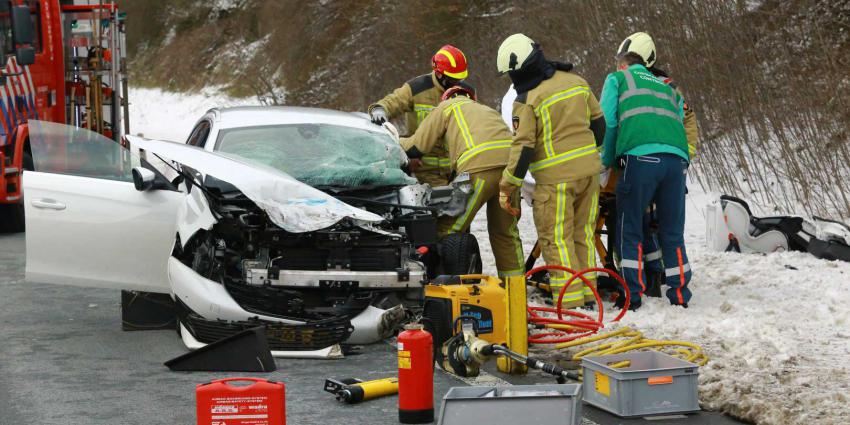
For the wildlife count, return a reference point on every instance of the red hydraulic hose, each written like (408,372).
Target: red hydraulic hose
(583,325)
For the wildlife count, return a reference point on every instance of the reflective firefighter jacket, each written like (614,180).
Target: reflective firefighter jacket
(413,102)
(476,137)
(691,128)
(552,127)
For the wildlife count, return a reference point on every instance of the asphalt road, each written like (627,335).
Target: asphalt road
(65,360)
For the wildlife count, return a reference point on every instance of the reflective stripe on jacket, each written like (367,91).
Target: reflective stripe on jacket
(475,135)
(554,119)
(649,111)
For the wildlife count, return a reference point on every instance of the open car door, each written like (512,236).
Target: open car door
(86,224)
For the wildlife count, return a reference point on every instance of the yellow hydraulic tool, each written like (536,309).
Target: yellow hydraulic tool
(517,325)
(353,391)
(475,299)
(465,353)
(495,309)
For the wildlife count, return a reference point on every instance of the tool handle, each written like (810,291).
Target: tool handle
(480,280)
(235,379)
(379,388)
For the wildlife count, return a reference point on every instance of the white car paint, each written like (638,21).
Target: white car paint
(290,204)
(194,214)
(243,116)
(87,231)
(208,298)
(91,231)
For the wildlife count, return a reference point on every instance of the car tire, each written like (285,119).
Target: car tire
(12,216)
(459,254)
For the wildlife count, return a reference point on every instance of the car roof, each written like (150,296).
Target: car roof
(250,116)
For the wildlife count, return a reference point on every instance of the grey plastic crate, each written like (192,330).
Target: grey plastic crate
(654,384)
(508,404)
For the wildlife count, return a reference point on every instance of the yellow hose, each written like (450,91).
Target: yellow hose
(628,339)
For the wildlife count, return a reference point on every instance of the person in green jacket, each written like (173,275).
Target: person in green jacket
(645,138)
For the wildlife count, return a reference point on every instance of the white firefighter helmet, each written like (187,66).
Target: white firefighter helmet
(513,52)
(641,44)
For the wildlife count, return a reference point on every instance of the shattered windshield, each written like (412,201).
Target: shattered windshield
(321,155)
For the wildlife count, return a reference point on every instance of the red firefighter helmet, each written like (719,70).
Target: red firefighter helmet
(450,61)
(448,94)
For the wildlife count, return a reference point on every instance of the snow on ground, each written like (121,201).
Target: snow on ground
(775,326)
(158,114)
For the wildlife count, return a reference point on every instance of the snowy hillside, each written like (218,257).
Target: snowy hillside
(173,115)
(775,326)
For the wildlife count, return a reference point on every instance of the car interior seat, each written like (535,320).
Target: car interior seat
(731,226)
(746,233)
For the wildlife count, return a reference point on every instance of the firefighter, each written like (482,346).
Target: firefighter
(642,44)
(414,101)
(557,127)
(646,138)
(478,143)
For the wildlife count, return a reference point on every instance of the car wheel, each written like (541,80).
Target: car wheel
(12,216)
(459,254)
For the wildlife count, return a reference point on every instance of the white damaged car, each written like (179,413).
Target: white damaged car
(300,220)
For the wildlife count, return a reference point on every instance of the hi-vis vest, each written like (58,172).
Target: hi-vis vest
(648,111)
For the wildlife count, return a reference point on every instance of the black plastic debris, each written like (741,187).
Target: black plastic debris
(246,351)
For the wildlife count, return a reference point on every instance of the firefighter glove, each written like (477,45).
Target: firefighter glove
(508,200)
(378,115)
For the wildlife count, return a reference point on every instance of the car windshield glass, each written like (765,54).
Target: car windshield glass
(321,155)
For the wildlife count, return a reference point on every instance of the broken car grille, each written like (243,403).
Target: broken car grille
(313,335)
(355,259)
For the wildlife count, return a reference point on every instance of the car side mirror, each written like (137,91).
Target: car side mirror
(22,30)
(143,179)
(25,55)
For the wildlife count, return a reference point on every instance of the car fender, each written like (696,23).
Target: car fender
(194,215)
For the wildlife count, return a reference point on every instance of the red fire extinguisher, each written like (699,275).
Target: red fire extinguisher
(415,375)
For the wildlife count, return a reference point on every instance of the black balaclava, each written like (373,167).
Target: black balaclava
(663,75)
(446,82)
(535,70)
(658,72)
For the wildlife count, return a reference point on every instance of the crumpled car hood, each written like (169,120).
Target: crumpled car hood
(290,204)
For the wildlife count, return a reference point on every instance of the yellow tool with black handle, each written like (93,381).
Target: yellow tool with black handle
(353,391)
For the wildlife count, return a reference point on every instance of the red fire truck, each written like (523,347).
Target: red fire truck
(64,62)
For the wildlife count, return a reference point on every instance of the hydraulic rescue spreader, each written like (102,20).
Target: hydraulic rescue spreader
(464,354)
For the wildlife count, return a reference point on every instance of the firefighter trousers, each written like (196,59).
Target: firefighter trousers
(658,177)
(501,226)
(565,217)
